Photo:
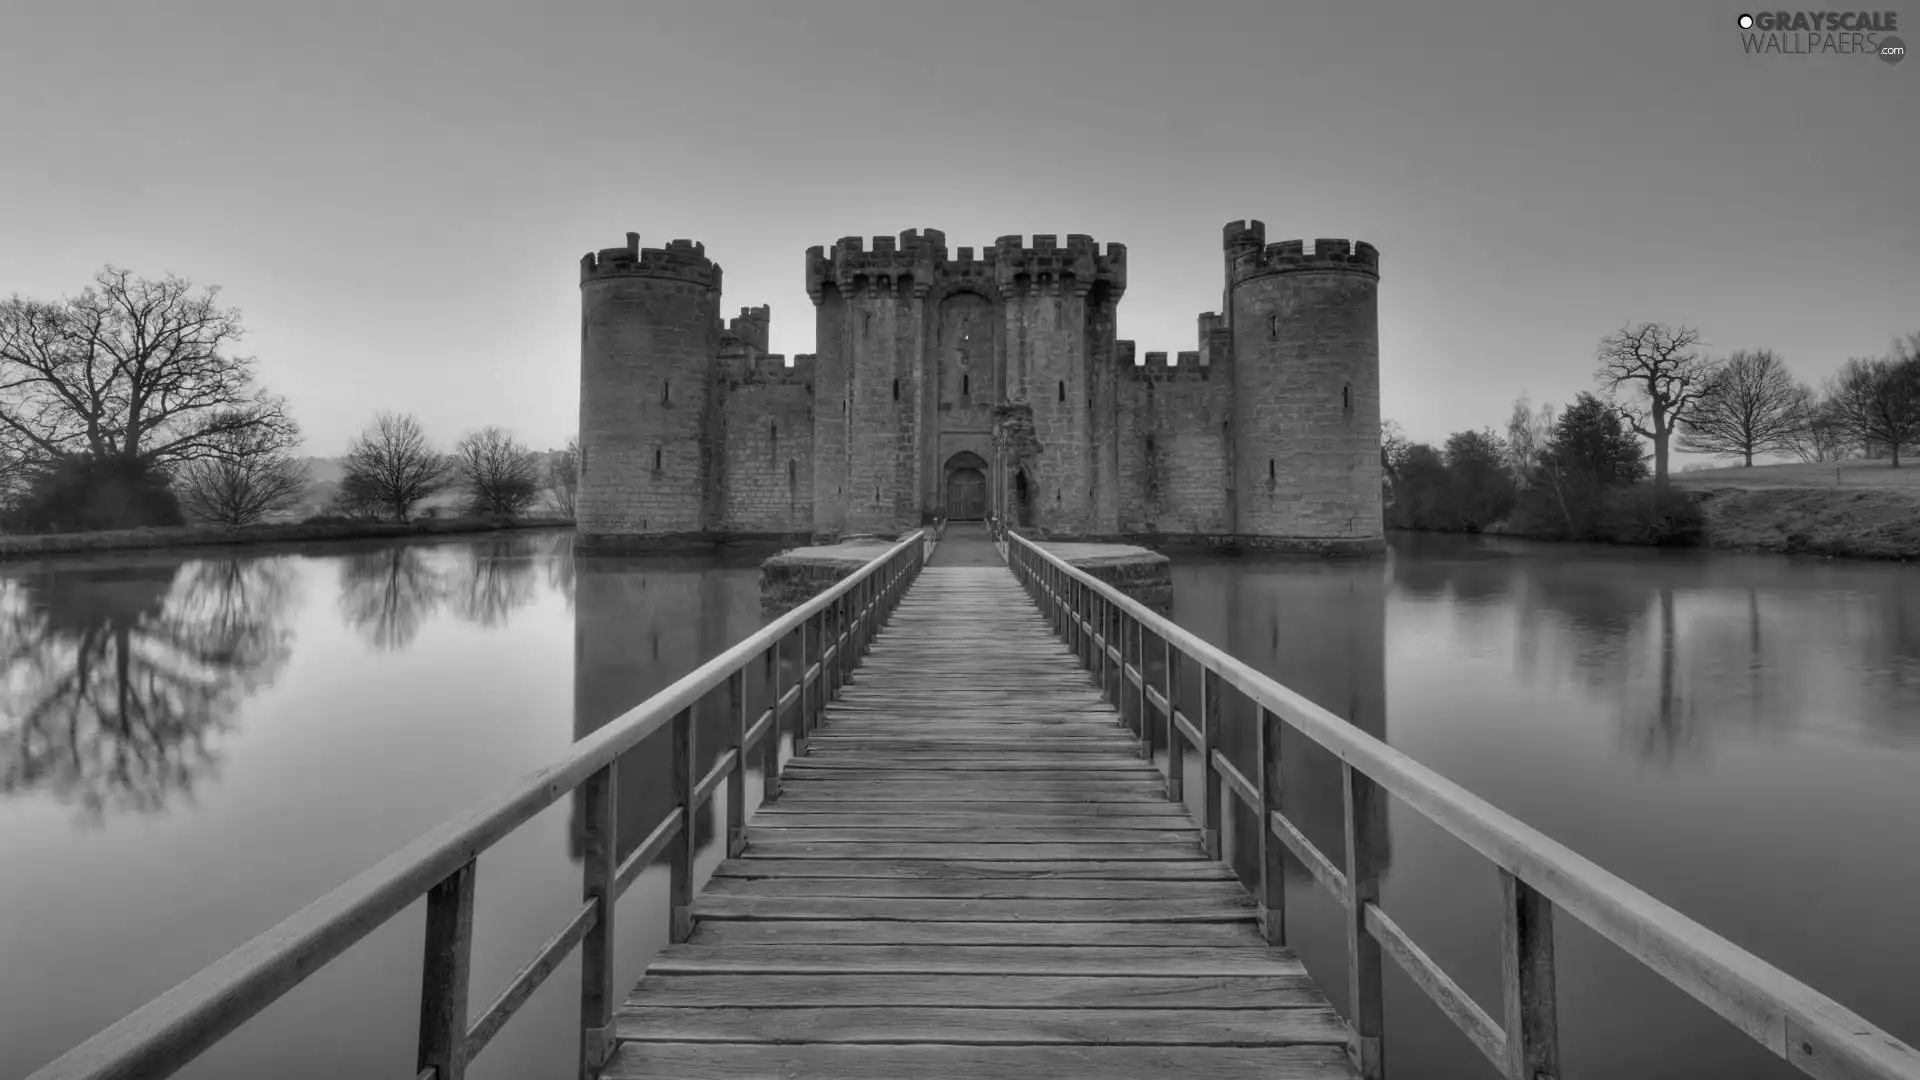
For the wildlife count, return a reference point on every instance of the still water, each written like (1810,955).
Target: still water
(195,745)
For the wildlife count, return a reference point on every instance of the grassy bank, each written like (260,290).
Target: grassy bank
(23,546)
(1853,509)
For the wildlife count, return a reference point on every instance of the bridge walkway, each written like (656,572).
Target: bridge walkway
(972,873)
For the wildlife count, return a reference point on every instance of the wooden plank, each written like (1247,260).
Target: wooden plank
(876,932)
(1014,852)
(967,960)
(1238,909)
(996,791)
(975,773)
(994,869)
(972,835)
(707,1061)
(791,819)
(978,889)
(1150,807)
(986,1027)
(1291,989)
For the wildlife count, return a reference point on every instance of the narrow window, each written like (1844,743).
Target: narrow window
(896,389)
(1149,446)
(1063,395)
(1269,470)
(656,459)
(663,391)
(773,432)
(964,390)
(1273,326)
(793,473)
(1346,397)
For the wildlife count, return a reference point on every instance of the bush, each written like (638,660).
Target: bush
(84,493)
(331,519)
(1646,514)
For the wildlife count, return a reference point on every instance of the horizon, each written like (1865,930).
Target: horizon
(399,215)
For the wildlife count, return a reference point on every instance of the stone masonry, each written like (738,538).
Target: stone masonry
(983,382)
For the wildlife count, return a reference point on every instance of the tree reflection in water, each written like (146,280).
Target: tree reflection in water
(116,681)
(388,594)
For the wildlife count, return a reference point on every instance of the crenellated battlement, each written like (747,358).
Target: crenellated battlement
(1188,366)
(1249,257)
(743,367)
(916,260)
(751,325)
(680,260)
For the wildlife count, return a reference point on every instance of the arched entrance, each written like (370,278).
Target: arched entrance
(966,487)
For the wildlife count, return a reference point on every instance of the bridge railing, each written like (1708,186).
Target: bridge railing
(1117,637)
(833,631)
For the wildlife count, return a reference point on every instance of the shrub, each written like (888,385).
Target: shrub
(1648,514)
(331,519)
(83,493)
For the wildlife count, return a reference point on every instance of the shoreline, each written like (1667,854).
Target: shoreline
(40,545)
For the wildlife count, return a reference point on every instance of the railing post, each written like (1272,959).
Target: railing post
(1210,742)
(1365,819)
(1273,893)
(1176,742)
(1140,663)
(447,966)
(1526,981)
(599,798)
(680,851)
(800,699)
(1099,640)
(770,743)
(737,776)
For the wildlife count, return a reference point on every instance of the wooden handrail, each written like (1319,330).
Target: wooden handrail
(1538,875)
(166,1033)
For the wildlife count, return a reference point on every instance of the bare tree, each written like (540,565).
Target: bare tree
(1877,401)
(498,475)
(563,478)
(1824,438)
(248,478)
(132,369)
(1751,404)
(1529,433)
(1666,367)
(392,465)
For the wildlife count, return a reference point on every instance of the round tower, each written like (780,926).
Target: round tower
(1306,381)
(649,334)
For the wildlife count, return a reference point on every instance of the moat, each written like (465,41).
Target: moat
(194,745)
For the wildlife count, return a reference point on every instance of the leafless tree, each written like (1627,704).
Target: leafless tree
(1877,401)
(247,479)
(133,369)
(563,478)
(1824,438)
(498,475)
(1667,369)
(1529,433)
(1751,404)
(392,465)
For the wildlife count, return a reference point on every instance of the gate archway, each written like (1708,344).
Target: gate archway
(965,487)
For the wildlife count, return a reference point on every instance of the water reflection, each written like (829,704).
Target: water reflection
(117,678)
(388,593)
(640,623)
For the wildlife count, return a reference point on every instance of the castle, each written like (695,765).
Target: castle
(981,383)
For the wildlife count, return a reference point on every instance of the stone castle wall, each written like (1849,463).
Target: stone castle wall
(1266,435)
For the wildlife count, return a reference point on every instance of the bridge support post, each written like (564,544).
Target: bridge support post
(800,729)
(680,850)
(1140,704)
(737,776)
(1209,746)
(600,862)
(444,978)
(1526,981)
(770,742)
(1176,742)
(1366,819)
(1273,893)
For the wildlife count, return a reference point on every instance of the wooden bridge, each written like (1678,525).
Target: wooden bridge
(971,867)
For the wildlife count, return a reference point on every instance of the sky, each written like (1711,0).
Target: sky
(396,195)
